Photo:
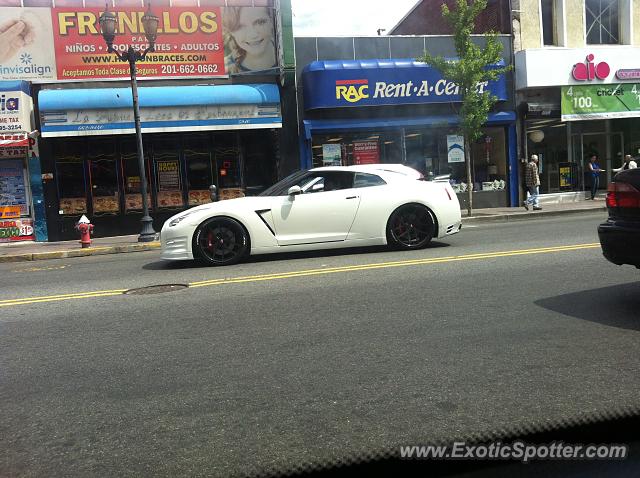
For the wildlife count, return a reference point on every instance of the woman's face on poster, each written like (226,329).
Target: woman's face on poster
(254,31)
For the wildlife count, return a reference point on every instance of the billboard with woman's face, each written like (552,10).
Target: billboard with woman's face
(196,42)
(249,39)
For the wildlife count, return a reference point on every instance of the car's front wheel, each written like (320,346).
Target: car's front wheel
(410,227)
(220,241)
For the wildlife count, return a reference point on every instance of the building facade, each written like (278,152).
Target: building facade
(211,102)
(366,100)
(578,83)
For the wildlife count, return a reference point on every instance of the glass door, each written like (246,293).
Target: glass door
(608,148)
(168,183)
(577,170)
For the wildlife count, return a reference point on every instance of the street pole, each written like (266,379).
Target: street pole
(108,28)
(147,234)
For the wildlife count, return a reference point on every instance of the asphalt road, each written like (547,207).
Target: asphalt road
(309,358)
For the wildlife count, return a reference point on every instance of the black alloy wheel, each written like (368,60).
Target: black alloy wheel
(220,241)
(410,227)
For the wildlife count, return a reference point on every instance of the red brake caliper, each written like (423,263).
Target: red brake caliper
(210,243)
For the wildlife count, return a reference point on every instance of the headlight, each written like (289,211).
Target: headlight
(177,220)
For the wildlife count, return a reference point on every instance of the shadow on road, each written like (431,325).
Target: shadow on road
(286,256)
(617,306)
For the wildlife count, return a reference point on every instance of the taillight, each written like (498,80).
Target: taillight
(448,194)
(623,195)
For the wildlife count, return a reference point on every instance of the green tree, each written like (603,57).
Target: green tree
(470,72)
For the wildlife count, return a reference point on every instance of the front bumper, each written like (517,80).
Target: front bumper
(175,247)
(620,243)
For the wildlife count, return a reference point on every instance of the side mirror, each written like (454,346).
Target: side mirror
(294,190)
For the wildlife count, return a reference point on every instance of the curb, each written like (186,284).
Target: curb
(90,251)
(526,216)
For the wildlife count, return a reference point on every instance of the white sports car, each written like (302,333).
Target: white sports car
(322,208)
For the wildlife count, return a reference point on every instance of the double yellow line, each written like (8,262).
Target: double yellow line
(312,272)
(385,265)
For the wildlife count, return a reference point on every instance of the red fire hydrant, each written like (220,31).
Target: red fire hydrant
(85,228)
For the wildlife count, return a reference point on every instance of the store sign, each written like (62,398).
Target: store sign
(27,44)
(331,154)
(455,148)
(15,112)
(160,119)
(12,184)
(66,43)
(410,83)
(16,230)
(588,70)
(189,43)
(168,176)
(366,152)
(600,102)
(576,66)
(9,212)
(565,176)
(628,74)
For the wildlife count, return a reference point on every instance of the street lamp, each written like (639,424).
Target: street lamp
(108,27)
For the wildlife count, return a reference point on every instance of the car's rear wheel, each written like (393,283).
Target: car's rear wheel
(410,227)
(220,241)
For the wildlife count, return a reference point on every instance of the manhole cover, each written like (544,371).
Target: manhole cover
(156,289)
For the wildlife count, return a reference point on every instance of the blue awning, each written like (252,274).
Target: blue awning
(322,126)
(15,85)
(384,82)
(158,96)
(102,111)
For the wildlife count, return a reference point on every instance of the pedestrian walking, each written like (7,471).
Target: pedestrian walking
(532,182)
(628,163)
(594,169)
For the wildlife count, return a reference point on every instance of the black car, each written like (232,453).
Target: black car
(620,235)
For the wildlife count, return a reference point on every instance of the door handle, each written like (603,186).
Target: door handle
(352,197)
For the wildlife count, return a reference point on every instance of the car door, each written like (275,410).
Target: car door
(324,212)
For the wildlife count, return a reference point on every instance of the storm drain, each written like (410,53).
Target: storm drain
(156,289)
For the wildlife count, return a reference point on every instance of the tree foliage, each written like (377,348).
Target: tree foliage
(475,66)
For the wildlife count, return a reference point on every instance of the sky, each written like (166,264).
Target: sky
(346,17)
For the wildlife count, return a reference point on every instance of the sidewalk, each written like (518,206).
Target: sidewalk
(33,251)
(503,214)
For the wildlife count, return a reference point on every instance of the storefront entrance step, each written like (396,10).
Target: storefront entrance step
(563,198)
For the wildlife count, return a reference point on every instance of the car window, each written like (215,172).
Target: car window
(297,178)
(328,181)
(365,180)
(313,184)
(335,180)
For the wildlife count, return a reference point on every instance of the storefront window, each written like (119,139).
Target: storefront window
(131,176)
(365,147)
(103,175)
(14,197)
(199,171)
(70,176)
(489,156)
(166,160)
(425,149)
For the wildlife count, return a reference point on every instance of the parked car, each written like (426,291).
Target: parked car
(620,235)
(322,208)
